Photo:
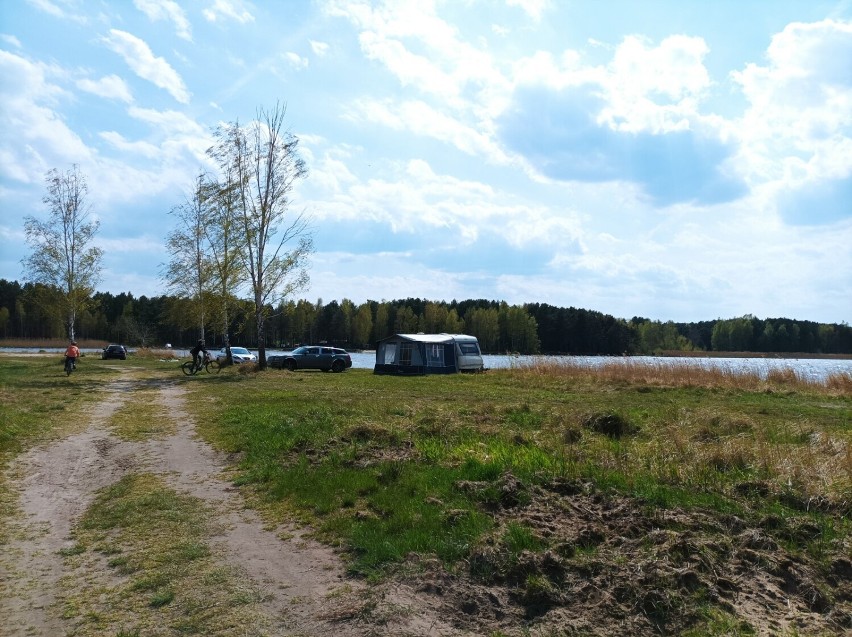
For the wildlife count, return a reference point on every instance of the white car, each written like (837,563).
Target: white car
(238,355)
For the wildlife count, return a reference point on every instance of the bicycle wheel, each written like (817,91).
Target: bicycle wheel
(188,368)
(212,367)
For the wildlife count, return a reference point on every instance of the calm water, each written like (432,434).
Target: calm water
(815,369)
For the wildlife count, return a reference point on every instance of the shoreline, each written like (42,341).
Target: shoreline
(91,347)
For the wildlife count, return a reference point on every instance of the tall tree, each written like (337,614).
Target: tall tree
(189,274)
(362,325)
(63,257)
(225,242)
(264,161)
(382,326)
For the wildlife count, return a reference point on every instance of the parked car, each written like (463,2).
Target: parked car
(313,357)
(238,355)
(114,351)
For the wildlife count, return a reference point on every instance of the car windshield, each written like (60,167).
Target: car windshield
(300,350)
(239,350)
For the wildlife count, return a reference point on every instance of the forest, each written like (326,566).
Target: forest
(527,329)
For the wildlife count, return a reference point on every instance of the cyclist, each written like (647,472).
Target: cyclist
(72,354)
(197,360)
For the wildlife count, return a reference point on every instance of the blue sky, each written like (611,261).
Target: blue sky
(676,160)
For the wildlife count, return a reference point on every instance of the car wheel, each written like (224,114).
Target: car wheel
(338,366)
(290,365)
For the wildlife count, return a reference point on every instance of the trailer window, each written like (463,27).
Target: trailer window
(469,349)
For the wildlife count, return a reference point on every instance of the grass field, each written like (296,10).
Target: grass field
(365,457)
(537,479)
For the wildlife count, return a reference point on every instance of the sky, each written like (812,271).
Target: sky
(673,160)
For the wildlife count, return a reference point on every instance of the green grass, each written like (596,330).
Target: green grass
(441,466)
(39,402)
(36,396)
(376,463)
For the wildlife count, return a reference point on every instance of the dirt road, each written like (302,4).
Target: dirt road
(303,586)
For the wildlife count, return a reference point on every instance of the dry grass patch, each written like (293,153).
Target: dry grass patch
(681,374)
(154,354)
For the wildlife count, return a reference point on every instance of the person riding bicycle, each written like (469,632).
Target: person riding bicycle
(72,353)
(197,360)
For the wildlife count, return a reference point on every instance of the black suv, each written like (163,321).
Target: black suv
(314,357)
(114,351)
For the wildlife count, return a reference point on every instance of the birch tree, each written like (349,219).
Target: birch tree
(63,257)
(188,273)
(265,166)
(226,243)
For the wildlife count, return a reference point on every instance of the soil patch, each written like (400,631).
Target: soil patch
(615,566)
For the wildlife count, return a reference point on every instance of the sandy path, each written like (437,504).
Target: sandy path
(58,481)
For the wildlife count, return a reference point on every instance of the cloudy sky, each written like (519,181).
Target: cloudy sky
(668,159)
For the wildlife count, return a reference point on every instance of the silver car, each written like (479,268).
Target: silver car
(238,355)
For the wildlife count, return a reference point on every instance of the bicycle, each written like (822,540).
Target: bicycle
(211,366)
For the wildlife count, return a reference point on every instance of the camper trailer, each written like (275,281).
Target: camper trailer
(428,354)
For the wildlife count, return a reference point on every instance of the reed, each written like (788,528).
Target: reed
(680,374)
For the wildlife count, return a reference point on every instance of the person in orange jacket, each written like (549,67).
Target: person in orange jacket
(72,353)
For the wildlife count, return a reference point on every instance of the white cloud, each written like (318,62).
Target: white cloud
(533,8)
(167,10)
(646,88)
(56,9)
(11,39)
(296,61)
(656,89)
(131,245)
(169,122)
(398,275)
(42,139)
(139,57)
(228,9)
(110,87)
(420,118)
(183,142)
(142,148)
(411,197)
(447,65)
(319,48)
(798,126)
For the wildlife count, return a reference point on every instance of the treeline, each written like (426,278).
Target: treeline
(527,329)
